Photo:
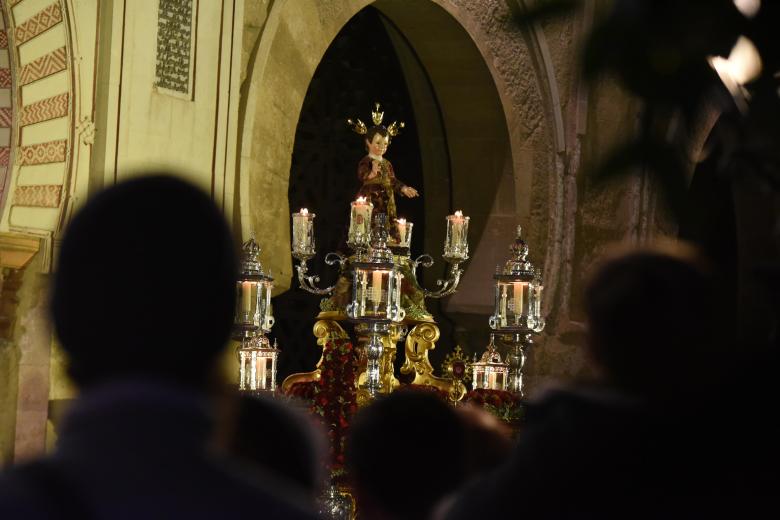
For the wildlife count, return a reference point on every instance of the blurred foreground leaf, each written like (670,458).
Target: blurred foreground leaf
(526,12)
(660,159)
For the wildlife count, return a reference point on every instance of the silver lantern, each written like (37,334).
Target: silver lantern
(517,310)
(253,319)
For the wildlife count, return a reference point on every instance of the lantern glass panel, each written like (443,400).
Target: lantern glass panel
(514,302)
(253,304)
(246,303)
(264,313)
(257,369)
(377,282)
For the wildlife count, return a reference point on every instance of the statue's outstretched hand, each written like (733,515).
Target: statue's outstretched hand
(410,192)
(374,170)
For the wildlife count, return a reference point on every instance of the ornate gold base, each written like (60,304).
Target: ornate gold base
(419,341)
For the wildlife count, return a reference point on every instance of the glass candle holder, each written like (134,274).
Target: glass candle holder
(303,234)
(253,303)
(376,292)
(359,234)
(257,366)
(456,246)
(513,301)
(518,293)
(404,232)
(253,293)
(490,372)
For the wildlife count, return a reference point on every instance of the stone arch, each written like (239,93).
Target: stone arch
(40,71)
(6,107)
(283,61)
(37,155)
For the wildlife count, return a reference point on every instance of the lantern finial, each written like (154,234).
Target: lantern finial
(518,264)
(250,259)
(379,252)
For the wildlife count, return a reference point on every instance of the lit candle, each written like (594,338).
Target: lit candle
(261,373)
(246,300)
(400,224)
(376,287)
(360,222)
(303,232)
(492,383)
(517,296)
(457,229)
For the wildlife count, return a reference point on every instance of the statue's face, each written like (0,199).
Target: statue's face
(378,145)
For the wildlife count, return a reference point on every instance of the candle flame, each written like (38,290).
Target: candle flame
(749,8)
(401,220)
(361,200)
(741,67)
(743,64)
(304,211)
(459,213)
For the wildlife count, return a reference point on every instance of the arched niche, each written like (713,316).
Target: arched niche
(490,157)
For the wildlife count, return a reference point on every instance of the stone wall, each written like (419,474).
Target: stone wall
(518,126)
(82,105)
(521,165)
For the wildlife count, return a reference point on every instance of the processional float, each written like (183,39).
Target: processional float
(378,290)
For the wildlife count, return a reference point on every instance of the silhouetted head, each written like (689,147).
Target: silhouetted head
(145,284)
(652,322)
(280,440)
(405,453)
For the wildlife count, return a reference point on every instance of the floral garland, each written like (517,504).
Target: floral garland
(333,398)
(504,405)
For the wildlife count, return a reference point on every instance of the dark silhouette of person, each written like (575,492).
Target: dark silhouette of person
(142,302)
(404,453)
(281,440)
(652,438)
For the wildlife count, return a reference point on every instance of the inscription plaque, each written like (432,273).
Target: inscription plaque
(176,47)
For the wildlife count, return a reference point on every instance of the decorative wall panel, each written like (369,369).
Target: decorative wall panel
(44,20)
(43,110)
(43,153)
(6,111)
(46,65)
(176,25)
(41,196)
(6,117)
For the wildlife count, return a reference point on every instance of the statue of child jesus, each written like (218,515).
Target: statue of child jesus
(379,183)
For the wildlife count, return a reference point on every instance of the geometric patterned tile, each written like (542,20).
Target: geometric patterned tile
(5,154)
(45,109)
(38,196)
(3,39)
(5,78)
(46,18)
(6,117)
(44,66)
(43,153)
